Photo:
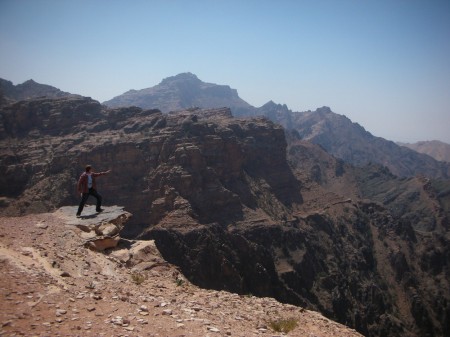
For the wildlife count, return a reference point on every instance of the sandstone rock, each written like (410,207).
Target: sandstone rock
(123,255)
(41,225)
(213,329)
(92,221)
(107,229)
(222,202)
(101,243)
(60,312)
(144,251)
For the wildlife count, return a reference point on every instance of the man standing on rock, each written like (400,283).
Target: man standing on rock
(86,186)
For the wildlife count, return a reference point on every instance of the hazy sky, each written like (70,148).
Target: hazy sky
(385,64)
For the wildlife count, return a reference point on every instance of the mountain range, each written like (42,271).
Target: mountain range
(337,134)
(28,89)
(247,205)
(434,148)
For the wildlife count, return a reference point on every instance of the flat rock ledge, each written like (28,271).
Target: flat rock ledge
(100,230)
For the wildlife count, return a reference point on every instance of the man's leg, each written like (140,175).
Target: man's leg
(94,193)
(84,198)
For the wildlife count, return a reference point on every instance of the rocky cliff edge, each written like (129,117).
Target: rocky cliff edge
(54,284)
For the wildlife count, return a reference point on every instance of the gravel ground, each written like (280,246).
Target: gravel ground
(51,285)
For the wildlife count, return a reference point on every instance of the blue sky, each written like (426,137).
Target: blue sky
(385,64)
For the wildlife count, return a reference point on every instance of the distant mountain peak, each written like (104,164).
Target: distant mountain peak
(182,91)
(324,110)
(271,104)
(29,89)
(434,148)
(189,77)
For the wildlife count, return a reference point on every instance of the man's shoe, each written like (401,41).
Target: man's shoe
(99,210)
(78,215)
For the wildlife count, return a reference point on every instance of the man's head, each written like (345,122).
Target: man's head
(88,168)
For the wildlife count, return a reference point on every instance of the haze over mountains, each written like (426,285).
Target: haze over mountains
(244,205)
(28,89)
(335,133)
(434,148)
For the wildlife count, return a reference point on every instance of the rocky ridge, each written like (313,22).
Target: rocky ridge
(349,141)
(434,148)
(53,285)
(336,133)
(238,206)
(27,90)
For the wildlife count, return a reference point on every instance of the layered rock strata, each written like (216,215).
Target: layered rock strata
(224,202)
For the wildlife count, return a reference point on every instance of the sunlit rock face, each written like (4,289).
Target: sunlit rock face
(242,205)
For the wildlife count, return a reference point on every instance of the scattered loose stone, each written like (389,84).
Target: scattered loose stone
(118,320)
(41,225)
(167,312)
(212,329)
(60,312)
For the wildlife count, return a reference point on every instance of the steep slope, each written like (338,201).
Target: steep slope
(399,215)
(434,148)
(352,143)
(179,92)
(225,204)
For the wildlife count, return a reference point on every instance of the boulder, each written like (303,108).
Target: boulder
(100,230)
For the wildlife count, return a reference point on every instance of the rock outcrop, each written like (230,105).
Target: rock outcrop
(238,207)
(99,230)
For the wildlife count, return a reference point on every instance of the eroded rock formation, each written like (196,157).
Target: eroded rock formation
(237,207)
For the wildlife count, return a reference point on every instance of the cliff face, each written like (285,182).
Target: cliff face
(405,225)
(237,208)
(70,287)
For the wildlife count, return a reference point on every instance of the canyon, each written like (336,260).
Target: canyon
(241,204)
